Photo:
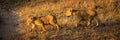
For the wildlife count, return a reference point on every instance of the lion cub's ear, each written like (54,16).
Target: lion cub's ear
(68,12)
(29,20)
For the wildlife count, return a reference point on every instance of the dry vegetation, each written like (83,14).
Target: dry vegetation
(68,19)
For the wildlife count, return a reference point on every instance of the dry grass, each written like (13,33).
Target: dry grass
(71,27)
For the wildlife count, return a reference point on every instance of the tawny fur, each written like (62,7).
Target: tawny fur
(40,21)
(87,14)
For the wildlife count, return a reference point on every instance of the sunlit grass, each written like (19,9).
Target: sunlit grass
(107,13)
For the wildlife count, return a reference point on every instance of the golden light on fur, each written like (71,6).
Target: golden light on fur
(68,12)
(49,19)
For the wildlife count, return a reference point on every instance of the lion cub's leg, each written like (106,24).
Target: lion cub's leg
(38,23)
(55,25)
(51,21)
(97,21)
(89,22)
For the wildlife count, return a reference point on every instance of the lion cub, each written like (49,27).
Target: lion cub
(40,21)
(86,14)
